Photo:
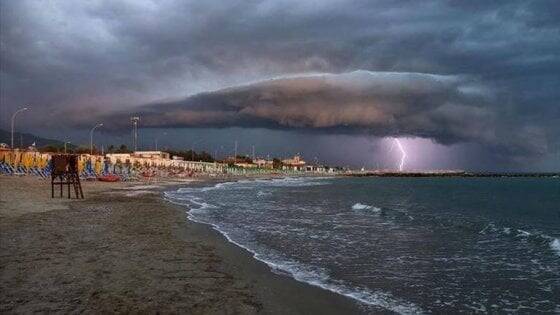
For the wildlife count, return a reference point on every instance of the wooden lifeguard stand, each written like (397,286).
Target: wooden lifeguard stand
(65,172)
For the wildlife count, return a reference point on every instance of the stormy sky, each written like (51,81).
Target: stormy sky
(464,84)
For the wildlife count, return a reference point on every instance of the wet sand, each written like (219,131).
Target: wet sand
(124,249)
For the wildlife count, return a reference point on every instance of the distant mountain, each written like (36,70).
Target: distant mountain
(26,139)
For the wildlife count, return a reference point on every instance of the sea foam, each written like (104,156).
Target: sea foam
(359,206)
(555,245)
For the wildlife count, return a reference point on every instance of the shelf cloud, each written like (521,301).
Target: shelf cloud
(448,109)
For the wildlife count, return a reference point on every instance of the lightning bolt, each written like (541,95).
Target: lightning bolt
(403,154)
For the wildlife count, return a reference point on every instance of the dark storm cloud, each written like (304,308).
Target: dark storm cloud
(448,109)
(497,65)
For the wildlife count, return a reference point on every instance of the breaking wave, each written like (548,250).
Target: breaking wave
(359,206)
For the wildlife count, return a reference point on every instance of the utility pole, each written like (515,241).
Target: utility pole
(253,152)
(135,121)
(235,152)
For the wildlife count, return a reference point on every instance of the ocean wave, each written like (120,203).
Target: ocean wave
(195,204)
(359,206)
(275,182)
(261,193)
(319,278)
(219,186)
(555,246)
(524,236)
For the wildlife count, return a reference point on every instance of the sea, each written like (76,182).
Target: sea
(395,244)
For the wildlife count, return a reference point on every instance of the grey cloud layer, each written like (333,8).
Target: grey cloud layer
(66,56)
(448,109)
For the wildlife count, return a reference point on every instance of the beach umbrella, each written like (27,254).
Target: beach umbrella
(98,166)
(81,165)
(8,158)
(45,161)
(29,159)
(17,159)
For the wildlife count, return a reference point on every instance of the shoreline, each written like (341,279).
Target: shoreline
(279,294)
(114,252)
(279,291)
(366,301)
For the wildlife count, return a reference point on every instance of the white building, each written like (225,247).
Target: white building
(152,154)
(295,164)
(262,163)
(160,158)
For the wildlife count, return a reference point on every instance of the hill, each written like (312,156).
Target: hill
(26,139)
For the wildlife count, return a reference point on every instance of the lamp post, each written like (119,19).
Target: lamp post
(65,146)
(13,122)
(135,121)
(91,138)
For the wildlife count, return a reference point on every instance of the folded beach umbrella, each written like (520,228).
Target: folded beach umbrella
(97,167)
(105,167)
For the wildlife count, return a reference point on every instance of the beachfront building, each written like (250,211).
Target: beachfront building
(163,159)
(294,164)
(262,163)
(316,168)
(241,162)
(138,156)
(152,155)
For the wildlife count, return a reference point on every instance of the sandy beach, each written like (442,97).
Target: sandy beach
(125,249)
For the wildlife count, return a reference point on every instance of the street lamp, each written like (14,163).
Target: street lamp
(65,146)
(91,138)
(13,122)
(135,121)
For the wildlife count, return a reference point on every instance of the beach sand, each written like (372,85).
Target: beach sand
(125,249)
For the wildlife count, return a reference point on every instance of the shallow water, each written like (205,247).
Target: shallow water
(408,245)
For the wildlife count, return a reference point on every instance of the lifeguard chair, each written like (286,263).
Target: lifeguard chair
(65,172)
